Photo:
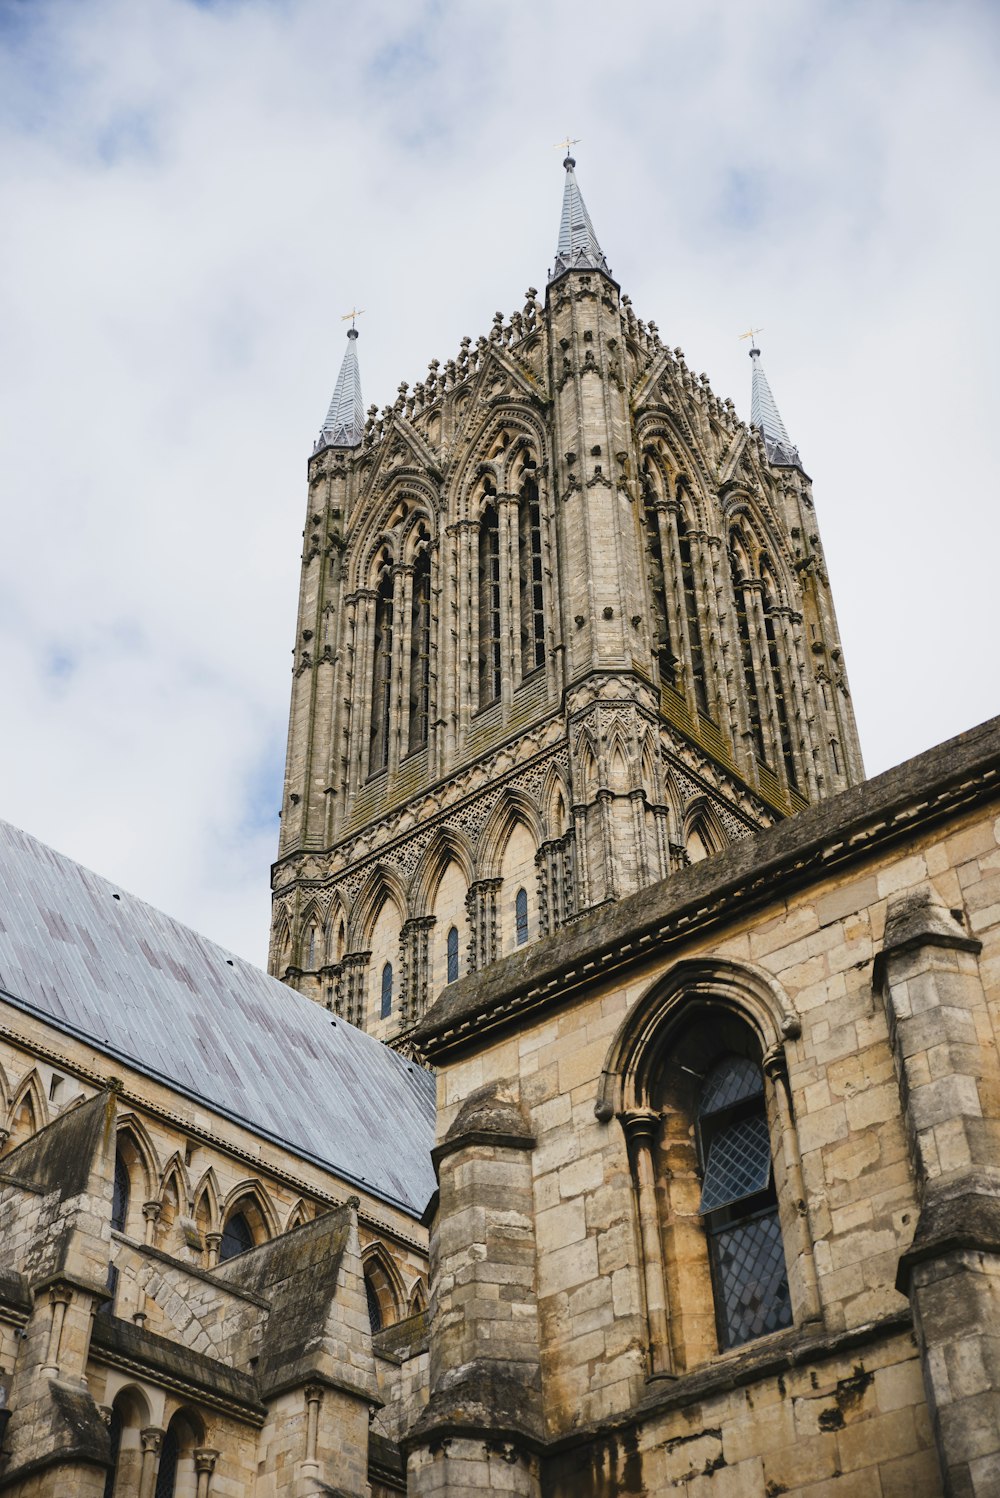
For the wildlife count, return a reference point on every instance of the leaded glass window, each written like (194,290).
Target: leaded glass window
(114,1450)
(521,916)
(374,1309)
(386,996)
(119,1203)
(236,1237)
(452,954)
(489,607)
(739,1205)
(166,1472)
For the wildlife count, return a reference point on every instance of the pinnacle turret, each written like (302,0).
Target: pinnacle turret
(578,246)
(765,416)
(345,421)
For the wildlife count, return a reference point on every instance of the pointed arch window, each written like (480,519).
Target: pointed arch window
(115,1426)
(374,1309)
(521,916)
(452,954)
(738,1204)
(662,650)
(746,650)
(236,1237)
(166,1472)
(489,606)
(420,652)
(385,1008)
(530,579)
(695,646)
(777,681)
(378,756)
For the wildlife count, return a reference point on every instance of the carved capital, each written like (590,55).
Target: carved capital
(641,1125)
(151,1439)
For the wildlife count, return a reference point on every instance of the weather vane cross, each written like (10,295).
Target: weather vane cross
(751,333)
(566,145)
(354,314)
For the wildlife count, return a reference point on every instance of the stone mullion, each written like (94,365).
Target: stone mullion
(584,880)
(360,709)
(738,706)
(641,830)
(435,662)
(340,707)
(641,1127)
(555,654)
(685,675)
(463,612)
(510,596)
(605,799)
(402,631)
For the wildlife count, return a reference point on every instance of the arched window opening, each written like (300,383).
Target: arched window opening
(420,652)
(489,607)
(521,916)
(738,1204)
(746,654)
(122,1191)
(662,650)
(166,1472)
(777,682)
(697,654)
(378,756)
(237,1237)
(23,1124)
(452,954)
(311,946)
(386,995)
(530,579)
(836,756)
(382,1307)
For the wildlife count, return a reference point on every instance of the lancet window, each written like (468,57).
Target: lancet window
(385,997)
(236,1237)
(452,954)
(378,757)
(777,681)
(657,589)
(691,612)
(530,576)
(489,605)
(420,651)
(738,571)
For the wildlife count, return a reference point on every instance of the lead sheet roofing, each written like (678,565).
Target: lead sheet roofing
(139,986)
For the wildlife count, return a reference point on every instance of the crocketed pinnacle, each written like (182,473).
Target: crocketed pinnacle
(578,247)
(345,421)
(765,416)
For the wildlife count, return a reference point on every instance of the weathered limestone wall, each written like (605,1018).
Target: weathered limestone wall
(882,1095)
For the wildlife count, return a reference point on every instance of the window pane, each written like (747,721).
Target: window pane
(521,916)
(452,954)
(236,1237)
(387,990)
(374,1309)
(119,1204)
(166,1474)
(751,1284)
(739,1163)
(732,1080)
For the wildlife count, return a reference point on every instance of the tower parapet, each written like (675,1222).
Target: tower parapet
(564,628)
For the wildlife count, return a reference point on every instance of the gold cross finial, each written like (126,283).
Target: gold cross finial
(354,313)
(751,333)
(566,145)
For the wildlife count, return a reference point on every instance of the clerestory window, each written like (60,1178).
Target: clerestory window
(452,954)
(385,1008)
(521,916)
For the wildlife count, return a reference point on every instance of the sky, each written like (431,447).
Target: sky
(191,194)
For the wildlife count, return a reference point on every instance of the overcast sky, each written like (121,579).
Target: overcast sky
(191,195)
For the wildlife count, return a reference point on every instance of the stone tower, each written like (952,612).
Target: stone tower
(564,628)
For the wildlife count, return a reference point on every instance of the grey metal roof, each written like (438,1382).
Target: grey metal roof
(345,421)
(764,415)
(105,967)
(578,247)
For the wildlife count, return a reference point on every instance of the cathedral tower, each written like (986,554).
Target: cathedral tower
(564,627)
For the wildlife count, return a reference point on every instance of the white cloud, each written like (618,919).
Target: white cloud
(193,193)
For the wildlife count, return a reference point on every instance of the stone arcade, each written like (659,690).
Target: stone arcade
(574,819)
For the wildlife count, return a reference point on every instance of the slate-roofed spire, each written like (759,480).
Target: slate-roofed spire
(345,421)
(766,417)
(578,246)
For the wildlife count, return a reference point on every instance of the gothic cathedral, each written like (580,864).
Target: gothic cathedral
(564,628)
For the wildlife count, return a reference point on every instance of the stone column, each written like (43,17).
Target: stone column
(414,941)
(60,1296)
(204,1465)
(352,1005)
(213,1242)
(151,1439)
(641,1127)
(314,1398)
(949,1075)
(481,904)
(790,1188)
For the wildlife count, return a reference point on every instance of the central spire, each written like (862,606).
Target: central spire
(765,416)
(578,246)
(345,421)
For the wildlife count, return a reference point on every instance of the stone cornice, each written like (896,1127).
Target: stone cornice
(854,825)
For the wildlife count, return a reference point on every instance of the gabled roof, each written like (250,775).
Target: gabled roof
(100,965)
